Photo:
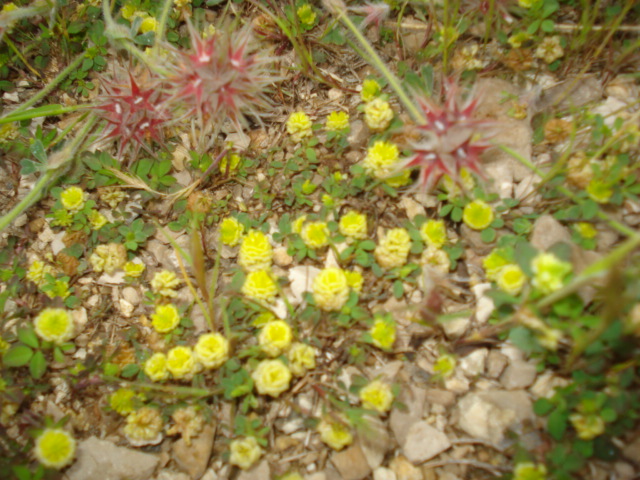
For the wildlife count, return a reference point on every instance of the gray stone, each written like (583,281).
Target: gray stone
(131,295)
(358,134)
(194,458)
(474,240)
(632,450)
(382,473)
(488,415)
(424,442)
(518,375)
(404,469)
(400,421)
(351,463)
(496,363)
(547,231)
(261,471)
(102,459)
(572,93)
(171,475)
(440,397)
(375,441)
(473,364)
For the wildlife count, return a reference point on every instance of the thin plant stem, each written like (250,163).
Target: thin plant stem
(373,58)
(162,24)
(49,87)
(52,171)
(44,111)
(13,47)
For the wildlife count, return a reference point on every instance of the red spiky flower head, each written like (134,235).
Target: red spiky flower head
(450,138)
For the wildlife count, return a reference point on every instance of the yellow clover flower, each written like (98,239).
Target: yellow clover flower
(528,3)
(381,159)
(55,448)
(181,362)
(378,114)
(231,231)
(156,367)
(588,426)
(549,49)
(233,160)
(38,271)
(435,259)
(212,350)
(144,427)
(330,289)
(377,395)
(549,272)
(477,215)
(511,279)
(73,199)
(271,377)
(494,262)
(108,258)
(599,191)
(275,337)
(335,434)
(112,196)
(315,235)
(383,333)
(244,452)
(353,225)
(434,233)
(128,12)
(134,269)
(256,252)
(96,219)
(123,401)
(393,249)
(164,284)
(166,318)
(306,15)
(298,223)
(586,230)
(354,280)
(54,325)
(529,471)
(370,90)
(181,3)
(260,286)
(302,357)
(517,39)
(299,126)
(445,365)
(149,24)
(337,121)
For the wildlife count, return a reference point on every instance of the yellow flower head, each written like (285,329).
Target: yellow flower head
(108,258)
(123,401)
(529,470)
(54,325)
(244,452)
(393,249)
(477,215)
(435,259)
(599,190)
(149,24)
(370,90)
(156,367)
(96,219)
(260,286)
(212,350)
(302,357)
(445,365)
(586,230)
(383,333)
(134,269)
(164,284)
(181,363)
(299,126)
(306,15)
(188,422)
(378,114)
(517,39)
(400,180)
(256,252)
(337,121)
(73,199)
(494,262)
(181,3)
(528,3)
(549,272)
(354,280)
(511,279)
(377,396)
(335,434)
(353,225)
(298,223)
(271,377)
(275,337)
(144,427)
(166,318)
(38,271)
(112,196)
(9,7)
(315,234)
(588,426)
(231,231)
(128,12)
(55,448)
(330,289)
(549,49)
(233,160)
(434,233)
(381,159)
